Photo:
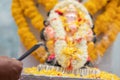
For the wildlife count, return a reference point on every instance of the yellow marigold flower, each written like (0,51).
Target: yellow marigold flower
(90,47)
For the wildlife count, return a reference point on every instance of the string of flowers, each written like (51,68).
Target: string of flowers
(48,4)
(30,11)
(26,36)
(94,6)
(107,28)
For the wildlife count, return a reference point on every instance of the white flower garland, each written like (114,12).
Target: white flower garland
(61,33)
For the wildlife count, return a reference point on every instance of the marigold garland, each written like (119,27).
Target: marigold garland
(30,11)
(108,29)
(95,5)
(26,36)
(48,4)
(106,18)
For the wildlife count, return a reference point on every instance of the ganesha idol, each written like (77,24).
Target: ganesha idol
(67,31)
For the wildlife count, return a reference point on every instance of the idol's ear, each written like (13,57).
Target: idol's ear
(42,36)
(42,33)
(46,23)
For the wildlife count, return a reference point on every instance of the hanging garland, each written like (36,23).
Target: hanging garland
(94,6)
(32,13)
(107,28)
(106,24)
(27,38)
(48,4)
(106,18)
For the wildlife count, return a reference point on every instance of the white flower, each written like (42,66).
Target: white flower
(60,33)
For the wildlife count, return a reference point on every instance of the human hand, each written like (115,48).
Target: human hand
(10,69)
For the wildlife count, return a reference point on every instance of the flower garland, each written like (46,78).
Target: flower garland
(32,13)
(71,28)
(106,18)
(108,30)
(94,6)
(48,4)
(22,9)
(26,36)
